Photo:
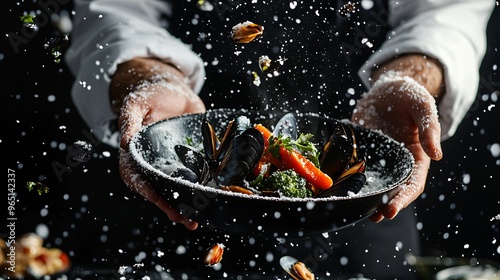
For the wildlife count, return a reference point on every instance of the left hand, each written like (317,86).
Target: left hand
(403,109)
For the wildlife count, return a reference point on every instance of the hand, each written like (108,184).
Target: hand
(403,109)
(147,91)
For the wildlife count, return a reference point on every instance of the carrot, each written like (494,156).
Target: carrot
(292,159)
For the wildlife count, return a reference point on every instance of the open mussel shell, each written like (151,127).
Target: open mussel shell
(197,167)
(289,263)
(287,126)
(388,166)
(337,152)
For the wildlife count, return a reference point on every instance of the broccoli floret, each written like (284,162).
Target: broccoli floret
(288,183)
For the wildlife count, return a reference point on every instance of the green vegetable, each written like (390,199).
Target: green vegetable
(39,187)
(288,183)
(27,19)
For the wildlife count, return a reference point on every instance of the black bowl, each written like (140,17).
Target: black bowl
(389,164)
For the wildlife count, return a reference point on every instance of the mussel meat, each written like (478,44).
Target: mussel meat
(246,32)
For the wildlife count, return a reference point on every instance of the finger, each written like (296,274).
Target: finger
(134,181)
(175,216)
(377,217)
(195,105)
(410,191)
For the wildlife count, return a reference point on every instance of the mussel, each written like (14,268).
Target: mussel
(341,161)
(296,269)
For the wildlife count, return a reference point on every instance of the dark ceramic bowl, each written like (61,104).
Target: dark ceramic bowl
(389,164)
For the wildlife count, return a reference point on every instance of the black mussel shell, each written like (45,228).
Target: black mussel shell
(194,161)
(186,174)
(337,152)
(352,183)
(235,128)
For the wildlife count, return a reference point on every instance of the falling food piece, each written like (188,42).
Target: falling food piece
(302,271)
(204,5)
(264,63)
(32,260)
(348,8)
(246,32)
(269,66)
(56,46)
(28,21)
(81,151)
(38,187)
(296,269)
(214,255)
(256,78)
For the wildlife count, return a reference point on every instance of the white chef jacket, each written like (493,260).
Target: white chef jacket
(109,32)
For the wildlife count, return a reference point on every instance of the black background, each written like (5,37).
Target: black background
(457,211)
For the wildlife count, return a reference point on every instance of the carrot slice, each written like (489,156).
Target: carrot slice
(296,161)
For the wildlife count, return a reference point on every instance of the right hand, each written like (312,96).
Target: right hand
(149,91)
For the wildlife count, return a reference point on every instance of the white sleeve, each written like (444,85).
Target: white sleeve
(452,31)
(109,32)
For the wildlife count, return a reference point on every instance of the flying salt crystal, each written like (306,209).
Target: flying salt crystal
(181,250)
(310,205)
(293,5)
(420,226)
(491,106)
(146,278)
(160,254)
(367,4)
(106,154)
(495,150)
(42,230)
(466,179)
(466,246)
(121,269)
(44,212)
(495,67)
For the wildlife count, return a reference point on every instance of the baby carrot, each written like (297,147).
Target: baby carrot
(292,159)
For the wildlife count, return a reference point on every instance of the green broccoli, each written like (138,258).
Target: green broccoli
(288,183)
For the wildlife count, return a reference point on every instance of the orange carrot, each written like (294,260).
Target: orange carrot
(296,161)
